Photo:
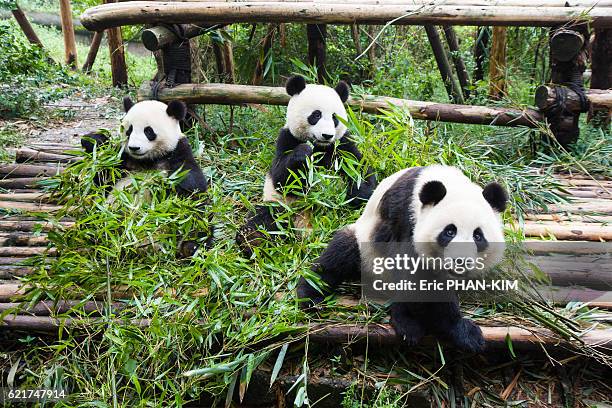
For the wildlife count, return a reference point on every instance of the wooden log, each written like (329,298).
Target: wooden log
(8,272)
(151,12)
(592,272)
(25,26)
(566,247)
(21,183)
(9,290)
(589,207)
(30,207)
(93,51)
(569,232)
(26,251)
(462,74)
(117,52)
(25,197)
(545,97)
(561,217)
(316,35)
(47,307)
(21,239)
(588,182)
(505,3)
(158,37)
(497,64)
(28,170)
(25,154)
(565,44)
(30,225)
(226,94)
(70,51)
(453,91)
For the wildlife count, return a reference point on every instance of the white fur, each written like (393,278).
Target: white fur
(153,114)
(463,205)
(316,97)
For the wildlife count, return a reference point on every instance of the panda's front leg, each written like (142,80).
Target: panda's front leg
(407,328)
(360,193)
(340,261)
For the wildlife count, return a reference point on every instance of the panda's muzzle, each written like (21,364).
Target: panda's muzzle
(134,148)
(326,136)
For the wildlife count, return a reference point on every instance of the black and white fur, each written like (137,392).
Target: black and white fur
(154,141)
(312,126)
(427,208)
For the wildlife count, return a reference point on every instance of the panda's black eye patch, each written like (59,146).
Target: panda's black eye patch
(150,133)
(129,131)
(480,240)
(336,121)
(314,117)
(447,235)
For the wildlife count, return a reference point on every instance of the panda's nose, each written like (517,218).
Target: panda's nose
(134,148)
(327,136)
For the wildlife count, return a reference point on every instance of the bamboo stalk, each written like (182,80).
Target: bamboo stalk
(70,51)
(266,48)
(28,170)
(93,51)
(150,12)
(227,94)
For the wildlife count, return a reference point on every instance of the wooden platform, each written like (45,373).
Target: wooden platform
(585,220)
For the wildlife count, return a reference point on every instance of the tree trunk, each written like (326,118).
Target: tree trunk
(497,64)
(258,74)
(317,34)
(462,74)
(443,65)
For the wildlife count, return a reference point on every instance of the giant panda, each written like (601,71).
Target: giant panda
(426,209)
(154,141)
(312,126)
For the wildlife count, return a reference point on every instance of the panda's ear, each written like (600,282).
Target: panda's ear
(496,196)
(432,193)
(342,89)
(177,110)
(295,85)
(127,104)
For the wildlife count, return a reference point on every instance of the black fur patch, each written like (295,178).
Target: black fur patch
(177,110)
(480,240)
(496,196)
(295,85)
(149,133)
(335,119)
(447,235)
(432,193)
(314,117)
(127,104)
(395,208)
(129,130)
(342,89)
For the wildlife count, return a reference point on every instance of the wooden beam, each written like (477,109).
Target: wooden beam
(93,51)
(117,53)
(506,3)
(225,94)
(462,74)
(453,91)
(151,12)
(545,97)
(70,50)
(26,27)
(497,64)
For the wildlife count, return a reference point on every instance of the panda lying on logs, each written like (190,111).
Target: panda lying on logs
(426,209)
(312,127)
(154,141)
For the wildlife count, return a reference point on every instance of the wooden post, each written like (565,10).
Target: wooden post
(480,52)
(497,64)
(601,75)
(25,25)
(93,51)
(267,46)
(68,31)
(117,54)
(462,74)
(317,34)
(443,65)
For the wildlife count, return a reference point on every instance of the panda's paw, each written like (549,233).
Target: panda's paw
(308,296)
(302,151)
(407,330)
(467,336)
(90,140)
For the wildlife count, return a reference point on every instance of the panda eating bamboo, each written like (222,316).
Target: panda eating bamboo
(313,127)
